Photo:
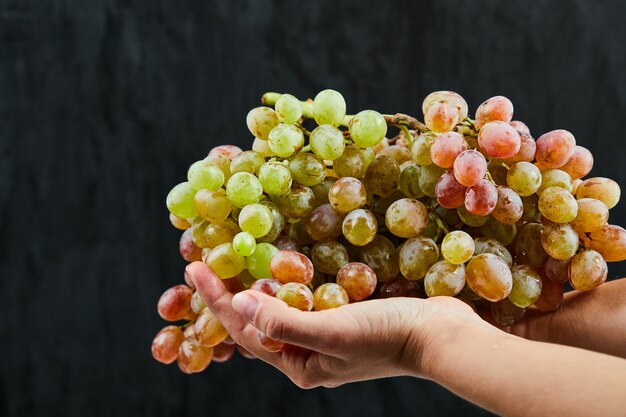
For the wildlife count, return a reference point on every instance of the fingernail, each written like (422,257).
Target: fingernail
(188,280)
(245,305)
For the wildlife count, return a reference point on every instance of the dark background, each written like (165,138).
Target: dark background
(104,104)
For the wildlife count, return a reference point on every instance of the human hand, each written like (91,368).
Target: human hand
(354,342)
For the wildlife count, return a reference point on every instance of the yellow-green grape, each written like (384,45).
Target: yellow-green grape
(526,286)
(286,140)
(198,229)
(261,121)
(471,219)
(321,191)
(406,217)
(587,270)
(296,295)
(558,205)
(527,246)
(247,161)
(256,219)
(328,296)
(524,178)
(531,208)
(180,201)
(244,188)
(449,97)
(288,109)
(222,161)
(208,330)
(213,206)
(225,262)
(442,116)
(410,182)
(505,233)
(444,278)
(493,246)
(258,263)
(347,194)
(382,176)
(262,147)
(197,303)
(216,234)
(244,244)
(368,157)
(603,189)
(327,142)
(329,107)
(297,203)
(489,276)
(350,163)
(429,175)
(203,175)
(555,178)
(609,241)
(416,256)
(592,215)
(307,169)
(360,227)
(420,148)
(277,225)
(275,178)
(457,247)
(367,128)
(560,241)
(400,153)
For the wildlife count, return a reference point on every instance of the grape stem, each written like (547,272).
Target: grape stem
(490,178)
(439,222)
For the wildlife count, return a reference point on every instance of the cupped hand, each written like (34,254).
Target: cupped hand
(354,342)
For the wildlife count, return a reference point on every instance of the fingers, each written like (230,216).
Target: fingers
(311,330)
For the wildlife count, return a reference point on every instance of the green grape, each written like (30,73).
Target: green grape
(531,208)
(555,178)
(457,247)
(416,256)
(347,194)
(382,176)
(381,255)
(558,205)
(261,121)
(471,219)
(526,286)
(360,227)
(406,217)
(368,155)
(527,246)
(244,188)
(524,178)
(327,142)
(410,182)
(180,201)
(225,262)
(277,225)
(367,128)
(258,263)
(493,246)
(420,148)
(560,241)
(262,147)
(286,140)
(429,175)
(247,161)
(275,178)
(505,233)
(329,107)
(213,206)
(221,161)
(321,190)
(350,163)
(307,169)
(587,270)
(203,175)
(444,278)
(288,109)
(256,219)
(216,234)
(297,203)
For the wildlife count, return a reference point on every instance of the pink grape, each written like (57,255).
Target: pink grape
(358,279)
(175,303)
(482,198)
(580,164)
(499,140)
(449,193)
(446,148)
(496,108)
(555,148)
(527,150)
(470,167)
(267,286)
(289,266)
(520,126)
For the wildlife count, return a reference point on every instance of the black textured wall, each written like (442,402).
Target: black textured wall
(104,104)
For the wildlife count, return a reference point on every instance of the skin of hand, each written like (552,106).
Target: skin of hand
(355,342)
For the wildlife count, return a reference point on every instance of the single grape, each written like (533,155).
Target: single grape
(560,241)
(592,215)
(198,232)
(526,152)
(307,169)
(180,224)
(416,256)
(531,208)
(284,242)
(288,109)
(244,188)
(324,223)
(360,227)
(368,155)
(278,223)
(229,151)
(320,191)
(524,178)
(358,279)
(175,303)
(420,148)
(482,198)
(193,357)
(499,139)
(380,255)
(444,278)
(350,163)
(457,247)
(551,296)
(520,126)
(180,201)
(267,286)
(225,262)
(409,182)
(429,175)
(289,266)
(285,140)
(401,154)
(587,270)
(505,313)
(275,178)
(297,203)
(261,121)
(347,194)
(449,192)
(328,257)
(327,142)
(298,232)
(526,286)
(609,241)
(216,234)
(580,164)
(442,116)
(329,107)
(498,108)
(223,352)
(208,330)
(575,185)
(258,263)
(553,177)
(256,219)
(556,270)
(222,162)
(470,167)
(471,219)
(493,246)
(555,148)
(328,296)
(509,208)
(296,295)
(213,206)
(449,97)
(558,205)
(489,276)
(603,189)
(382,176)
(197,303)
(244,244)
(188,249)
(399,287)
(505,233)
(262,147)
(527,246)
(406,217)
(204,175)
(166,344)
(367,128)
(446,148)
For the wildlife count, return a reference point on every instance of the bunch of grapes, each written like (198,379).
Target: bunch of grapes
(333,212)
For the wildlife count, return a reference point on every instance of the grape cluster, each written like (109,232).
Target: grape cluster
(470,208)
